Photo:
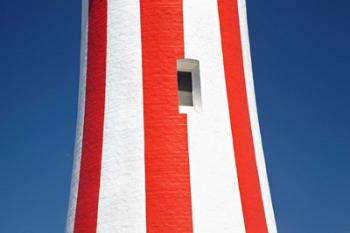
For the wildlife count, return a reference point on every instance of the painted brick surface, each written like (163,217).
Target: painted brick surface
(141,163)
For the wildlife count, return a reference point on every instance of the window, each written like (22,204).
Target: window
(188,80)
(184,81)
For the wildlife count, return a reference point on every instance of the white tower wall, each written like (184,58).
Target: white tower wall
(142,162)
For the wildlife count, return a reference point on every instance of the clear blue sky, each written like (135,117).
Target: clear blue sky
(301,59)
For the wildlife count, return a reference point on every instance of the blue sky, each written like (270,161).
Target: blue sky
(301,61)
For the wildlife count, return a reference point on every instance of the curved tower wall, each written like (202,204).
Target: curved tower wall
(143,163)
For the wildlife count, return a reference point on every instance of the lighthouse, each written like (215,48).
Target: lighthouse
(168,139)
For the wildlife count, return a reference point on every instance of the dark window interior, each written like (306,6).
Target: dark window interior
(184,81)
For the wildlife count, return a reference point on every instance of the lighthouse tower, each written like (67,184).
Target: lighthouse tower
(168,137)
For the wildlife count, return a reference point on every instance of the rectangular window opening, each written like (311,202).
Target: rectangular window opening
(188,84)
(184,81)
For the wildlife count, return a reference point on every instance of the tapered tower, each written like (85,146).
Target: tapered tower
(168,137)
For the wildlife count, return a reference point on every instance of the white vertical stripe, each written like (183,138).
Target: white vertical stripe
(122,191)
(216,203)
(80,120)
(259,153)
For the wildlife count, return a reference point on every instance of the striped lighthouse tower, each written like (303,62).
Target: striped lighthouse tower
(168,137)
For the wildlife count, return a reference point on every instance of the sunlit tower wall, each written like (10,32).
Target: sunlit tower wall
(168,139)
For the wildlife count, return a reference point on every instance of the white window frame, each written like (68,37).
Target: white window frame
(192,66)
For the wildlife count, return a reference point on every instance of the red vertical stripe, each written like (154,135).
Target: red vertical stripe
(90,170)
(168,197)
(248,178)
